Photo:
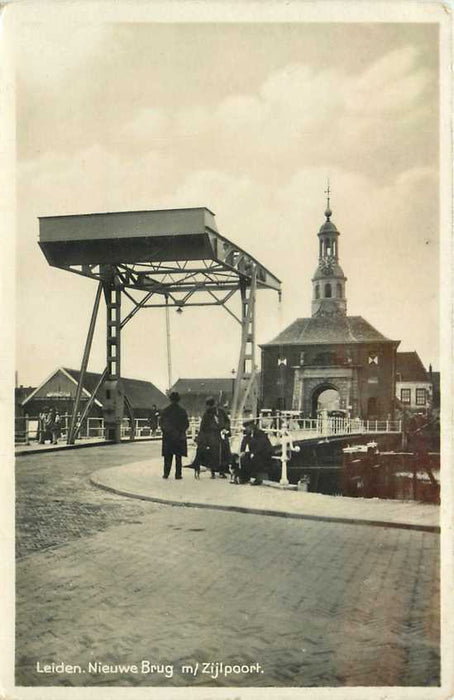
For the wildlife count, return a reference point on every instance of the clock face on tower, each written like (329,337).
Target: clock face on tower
(326,264)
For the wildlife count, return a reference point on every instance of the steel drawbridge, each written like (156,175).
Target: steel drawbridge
(155,259)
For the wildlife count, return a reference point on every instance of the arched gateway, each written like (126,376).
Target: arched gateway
(326,395)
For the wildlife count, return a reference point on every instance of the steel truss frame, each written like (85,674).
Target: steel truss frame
(176,284)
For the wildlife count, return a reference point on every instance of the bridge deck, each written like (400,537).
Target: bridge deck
(320,429)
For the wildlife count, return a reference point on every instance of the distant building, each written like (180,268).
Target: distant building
(59,391)
(435,379)
(413,383)
(20,394)
(195,391)
(330,359)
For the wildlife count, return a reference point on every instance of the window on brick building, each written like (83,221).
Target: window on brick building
(421,397)
(405,395)
(373,358)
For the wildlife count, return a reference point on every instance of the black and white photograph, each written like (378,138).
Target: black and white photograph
(231,439)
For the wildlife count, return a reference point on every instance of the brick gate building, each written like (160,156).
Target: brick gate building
(330,350)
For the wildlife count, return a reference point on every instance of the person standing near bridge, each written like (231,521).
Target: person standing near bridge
(174,423)
(213,448)
(154,419)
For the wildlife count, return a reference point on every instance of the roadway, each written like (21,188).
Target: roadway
(104,578)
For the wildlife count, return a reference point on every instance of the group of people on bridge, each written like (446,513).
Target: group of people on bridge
(213,445)
(49,426)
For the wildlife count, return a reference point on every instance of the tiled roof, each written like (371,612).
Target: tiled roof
(209,386)
(410,367)
(320,330)
(141,394)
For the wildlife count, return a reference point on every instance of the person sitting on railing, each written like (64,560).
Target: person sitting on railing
(256,453)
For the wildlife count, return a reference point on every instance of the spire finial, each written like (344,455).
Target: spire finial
(328,211)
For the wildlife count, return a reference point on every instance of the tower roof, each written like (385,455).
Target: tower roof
(321,330)
(328,227)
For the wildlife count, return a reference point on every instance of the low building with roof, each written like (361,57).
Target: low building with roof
(330,359)
(413,383)
(195,391)
(59,391)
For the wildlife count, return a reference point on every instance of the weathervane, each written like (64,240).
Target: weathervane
(328,211)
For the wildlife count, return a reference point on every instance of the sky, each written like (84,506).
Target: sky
(248,120)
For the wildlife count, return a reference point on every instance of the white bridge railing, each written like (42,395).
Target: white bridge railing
(275,426)
(285,432)
(309,428)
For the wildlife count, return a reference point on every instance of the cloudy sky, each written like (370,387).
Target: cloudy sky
(248,120)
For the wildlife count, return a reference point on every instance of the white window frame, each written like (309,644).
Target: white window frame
(404,401)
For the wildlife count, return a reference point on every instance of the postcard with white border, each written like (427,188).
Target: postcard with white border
(227,296)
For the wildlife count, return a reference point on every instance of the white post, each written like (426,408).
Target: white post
(284,444)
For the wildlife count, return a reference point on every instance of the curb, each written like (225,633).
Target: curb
(435,529)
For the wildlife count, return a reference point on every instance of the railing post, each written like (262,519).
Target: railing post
(27,438)
(415,477)
(284,443)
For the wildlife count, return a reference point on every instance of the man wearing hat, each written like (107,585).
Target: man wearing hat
(256,453)
(174,423)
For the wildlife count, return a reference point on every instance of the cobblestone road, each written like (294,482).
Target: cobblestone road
(111,580)
(55,502)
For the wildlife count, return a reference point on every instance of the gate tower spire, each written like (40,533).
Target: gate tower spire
(328,282)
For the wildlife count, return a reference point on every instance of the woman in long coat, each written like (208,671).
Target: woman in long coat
(213,448)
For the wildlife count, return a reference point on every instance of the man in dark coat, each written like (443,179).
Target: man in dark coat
(174,423)
(213,448)
(256,454)
(154,419)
